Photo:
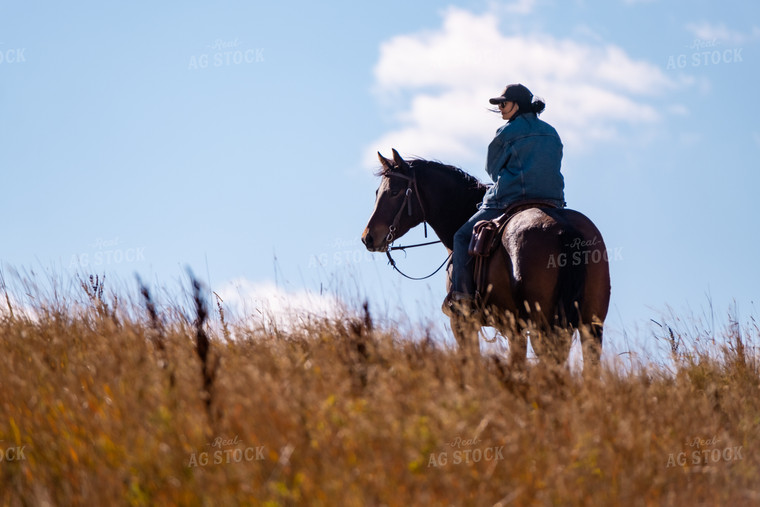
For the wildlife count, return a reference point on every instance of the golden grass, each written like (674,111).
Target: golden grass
(103,404)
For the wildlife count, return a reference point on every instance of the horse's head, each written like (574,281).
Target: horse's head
(397,205)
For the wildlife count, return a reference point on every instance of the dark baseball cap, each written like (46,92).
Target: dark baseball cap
(514,93)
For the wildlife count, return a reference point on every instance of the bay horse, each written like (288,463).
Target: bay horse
(550,275)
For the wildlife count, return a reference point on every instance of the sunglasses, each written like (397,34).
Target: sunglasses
(502,105)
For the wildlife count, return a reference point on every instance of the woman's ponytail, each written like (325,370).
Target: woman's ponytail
(537,106)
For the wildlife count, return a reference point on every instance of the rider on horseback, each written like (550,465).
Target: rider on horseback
(524,162)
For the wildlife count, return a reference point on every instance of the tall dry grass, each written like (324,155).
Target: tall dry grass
(131,400)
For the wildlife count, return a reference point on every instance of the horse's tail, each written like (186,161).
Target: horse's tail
(571,280)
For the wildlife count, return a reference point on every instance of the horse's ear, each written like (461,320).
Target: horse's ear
(387,164)
(400,162)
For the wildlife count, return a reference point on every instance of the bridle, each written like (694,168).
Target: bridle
(411,189)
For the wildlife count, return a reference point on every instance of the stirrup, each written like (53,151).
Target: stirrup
(462,304)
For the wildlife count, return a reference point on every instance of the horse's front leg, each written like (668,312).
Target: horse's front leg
(466,333)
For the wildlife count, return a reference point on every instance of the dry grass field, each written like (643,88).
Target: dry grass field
(111,399)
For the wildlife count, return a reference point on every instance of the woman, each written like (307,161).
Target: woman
(524,162)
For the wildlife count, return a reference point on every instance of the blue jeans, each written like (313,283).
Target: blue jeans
(462,279)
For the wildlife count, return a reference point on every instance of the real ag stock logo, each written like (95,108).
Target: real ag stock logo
(11,55)
(465,451)
(584,252)
(704,54)
(12,453)
(226,451)
(225,53)
(705,452)
(107,252)
(341,252)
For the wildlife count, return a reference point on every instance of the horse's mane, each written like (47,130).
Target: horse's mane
(467,180)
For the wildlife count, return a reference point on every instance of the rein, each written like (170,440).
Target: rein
(393,262)
(407,203)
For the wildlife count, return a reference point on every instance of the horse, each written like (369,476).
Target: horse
(549,275)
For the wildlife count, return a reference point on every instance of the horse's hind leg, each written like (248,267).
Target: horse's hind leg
(591,342)
(562,341)
(518,342)
(550,343)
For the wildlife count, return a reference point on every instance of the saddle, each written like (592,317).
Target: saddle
(486,237)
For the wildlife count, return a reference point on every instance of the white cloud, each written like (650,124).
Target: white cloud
(520,6)
(678,109)
(438,81)
(266,305)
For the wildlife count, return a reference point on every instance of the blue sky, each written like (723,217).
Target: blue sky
(237,138)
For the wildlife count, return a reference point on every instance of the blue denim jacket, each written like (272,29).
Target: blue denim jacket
(524,162)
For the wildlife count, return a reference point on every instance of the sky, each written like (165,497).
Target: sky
(239,139)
